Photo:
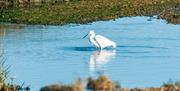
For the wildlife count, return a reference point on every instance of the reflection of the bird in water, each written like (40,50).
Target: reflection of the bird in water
(99,58)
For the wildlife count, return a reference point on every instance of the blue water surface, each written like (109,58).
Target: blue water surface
(147,53)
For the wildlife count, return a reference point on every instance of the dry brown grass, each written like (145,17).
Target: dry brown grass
(102,83)
(77,86)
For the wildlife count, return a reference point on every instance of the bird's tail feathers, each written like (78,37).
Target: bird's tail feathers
(113,44)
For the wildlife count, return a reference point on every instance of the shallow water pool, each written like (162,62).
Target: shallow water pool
(147,53)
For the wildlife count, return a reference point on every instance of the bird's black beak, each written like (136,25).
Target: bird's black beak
(85,36)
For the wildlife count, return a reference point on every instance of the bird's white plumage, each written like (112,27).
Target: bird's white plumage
(100,41)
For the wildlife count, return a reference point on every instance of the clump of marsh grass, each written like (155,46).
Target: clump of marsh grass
(3,73)
(171,83)
(171,86)
(102,83)
(3,69)
(77,86)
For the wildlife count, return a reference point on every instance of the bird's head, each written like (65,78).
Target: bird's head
(90,33)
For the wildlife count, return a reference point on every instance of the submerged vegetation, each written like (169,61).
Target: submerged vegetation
(84,11)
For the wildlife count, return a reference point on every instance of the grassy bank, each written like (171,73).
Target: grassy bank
(84,11)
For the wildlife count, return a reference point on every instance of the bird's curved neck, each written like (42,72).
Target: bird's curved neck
(93,41)
(92,36)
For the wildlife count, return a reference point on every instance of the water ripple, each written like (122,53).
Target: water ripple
(143,47)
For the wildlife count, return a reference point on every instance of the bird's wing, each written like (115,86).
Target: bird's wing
(102,41)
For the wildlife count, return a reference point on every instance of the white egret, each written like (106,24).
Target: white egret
(100,41)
